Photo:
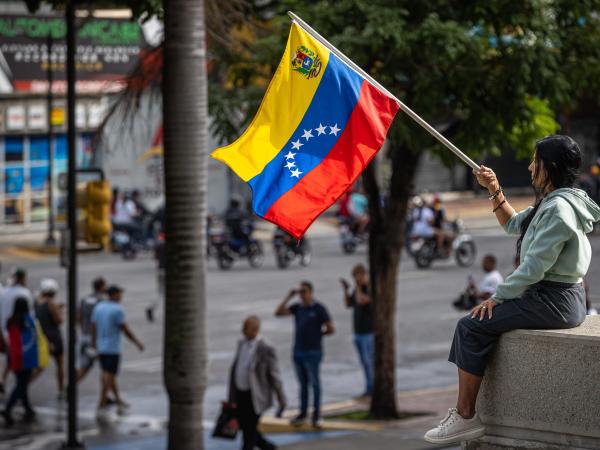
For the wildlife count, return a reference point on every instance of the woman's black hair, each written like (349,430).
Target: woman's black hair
(561,159)
(20,312)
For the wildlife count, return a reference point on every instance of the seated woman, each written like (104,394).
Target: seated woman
(544,292)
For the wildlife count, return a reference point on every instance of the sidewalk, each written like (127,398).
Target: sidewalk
(148,433)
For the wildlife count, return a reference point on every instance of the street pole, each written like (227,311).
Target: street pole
(72,442)
(50,240)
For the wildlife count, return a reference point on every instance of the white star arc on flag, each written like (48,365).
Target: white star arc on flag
(290,161)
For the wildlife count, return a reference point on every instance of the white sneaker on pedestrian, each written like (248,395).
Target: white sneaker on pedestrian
(454,428)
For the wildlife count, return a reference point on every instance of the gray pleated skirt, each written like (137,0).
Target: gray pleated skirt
(545,305)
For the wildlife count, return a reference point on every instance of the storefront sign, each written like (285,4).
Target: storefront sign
(107,51)
(37,119)
(15,118)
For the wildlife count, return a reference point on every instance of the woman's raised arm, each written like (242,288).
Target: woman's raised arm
(487,178)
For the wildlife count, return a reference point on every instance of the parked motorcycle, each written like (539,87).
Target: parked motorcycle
(350,237)
(228,249)
(425,250)
(288,249)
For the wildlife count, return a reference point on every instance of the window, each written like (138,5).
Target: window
(13,148)
(38,148)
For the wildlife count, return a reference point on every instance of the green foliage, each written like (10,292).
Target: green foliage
(492,74)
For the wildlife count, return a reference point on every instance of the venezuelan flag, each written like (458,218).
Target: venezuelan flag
(28,348)
(319,125)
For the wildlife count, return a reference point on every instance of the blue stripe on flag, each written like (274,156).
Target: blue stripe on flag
(30,345)
(331,106)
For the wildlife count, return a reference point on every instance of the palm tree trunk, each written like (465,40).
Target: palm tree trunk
(185,121)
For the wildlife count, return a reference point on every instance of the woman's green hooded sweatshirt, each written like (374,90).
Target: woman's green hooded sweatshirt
(555,246)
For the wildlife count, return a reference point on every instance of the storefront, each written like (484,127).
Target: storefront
(32,62)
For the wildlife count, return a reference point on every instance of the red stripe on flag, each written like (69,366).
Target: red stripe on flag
(15,347)
(360,141)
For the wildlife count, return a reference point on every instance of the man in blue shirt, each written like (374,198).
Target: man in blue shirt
(312,322)
(108,321)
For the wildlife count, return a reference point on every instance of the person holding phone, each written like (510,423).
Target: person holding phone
(362,307)
(312,323)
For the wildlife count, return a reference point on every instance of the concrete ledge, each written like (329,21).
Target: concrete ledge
(542,390)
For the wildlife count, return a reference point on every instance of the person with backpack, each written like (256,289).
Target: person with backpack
(50,316)
(87,354)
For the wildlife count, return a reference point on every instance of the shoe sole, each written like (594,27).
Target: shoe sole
(458,437)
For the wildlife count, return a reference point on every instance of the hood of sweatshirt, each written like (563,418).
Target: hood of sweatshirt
(586,209)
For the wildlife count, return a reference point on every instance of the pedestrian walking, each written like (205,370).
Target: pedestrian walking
(362,308)
(312,322)
(253,382)
(27,352)
(108,322)
(544,292)
(50,315)
(17,288)
(87,353)
(160,256)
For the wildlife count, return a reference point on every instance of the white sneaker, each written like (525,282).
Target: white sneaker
(454,428)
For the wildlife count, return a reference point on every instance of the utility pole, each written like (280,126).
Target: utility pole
(72,443)
(50,240)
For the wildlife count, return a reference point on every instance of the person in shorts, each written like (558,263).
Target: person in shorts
(108,321)
(87,354)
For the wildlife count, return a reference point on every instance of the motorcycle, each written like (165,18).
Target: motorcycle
(425,250)
(123,241)
(228,249)
(350,237)
(288,249)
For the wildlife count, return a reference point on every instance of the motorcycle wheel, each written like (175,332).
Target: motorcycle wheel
(348,247)
(465,254)
(424,256)
(225,260)
(282,260)
(306,257)
(128,252)
(255,255)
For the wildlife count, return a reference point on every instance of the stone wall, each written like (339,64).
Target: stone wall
(542,391)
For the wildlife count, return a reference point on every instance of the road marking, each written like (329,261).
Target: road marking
(22,253)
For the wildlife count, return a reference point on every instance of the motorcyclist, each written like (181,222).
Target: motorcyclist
(443,238)
(124,217)
(235,221)
(422,219)
(358,209)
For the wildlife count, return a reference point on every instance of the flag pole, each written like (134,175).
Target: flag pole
(413,115)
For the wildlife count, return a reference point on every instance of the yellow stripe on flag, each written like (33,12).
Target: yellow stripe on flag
(287,98)
(42,345)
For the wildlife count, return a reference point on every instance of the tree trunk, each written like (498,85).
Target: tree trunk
(185,120)
(386,240)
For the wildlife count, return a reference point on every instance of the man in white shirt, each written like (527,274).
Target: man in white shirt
(10,294)
(254,380)
(422,220)
(124,217)
(474,294)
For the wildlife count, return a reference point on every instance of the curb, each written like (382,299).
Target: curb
(276,425)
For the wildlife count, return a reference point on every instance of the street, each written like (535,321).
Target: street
(425,323)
